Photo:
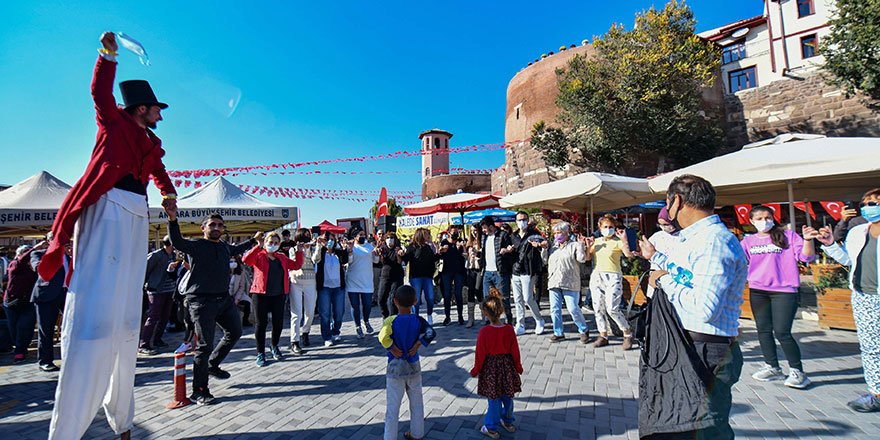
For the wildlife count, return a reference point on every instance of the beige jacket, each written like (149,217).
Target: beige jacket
(564,271)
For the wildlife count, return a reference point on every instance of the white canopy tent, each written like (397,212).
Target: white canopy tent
(585,192)
(242,212)
(793,167)
(459,202)
(29,207)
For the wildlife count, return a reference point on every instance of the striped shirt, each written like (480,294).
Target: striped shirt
(707,274)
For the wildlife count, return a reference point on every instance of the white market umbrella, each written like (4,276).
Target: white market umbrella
(459,202)
(242,213)
(789,167)
(30,206)
(585,192)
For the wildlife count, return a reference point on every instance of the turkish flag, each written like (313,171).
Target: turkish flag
(777,210)
(742,213)
(806,208)
(834,209)
(383,203)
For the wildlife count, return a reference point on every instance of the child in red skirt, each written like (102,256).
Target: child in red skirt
(498,366)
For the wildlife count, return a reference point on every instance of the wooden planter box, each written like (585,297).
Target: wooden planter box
(835,309)
(818,270)
(746,308)
(629,286)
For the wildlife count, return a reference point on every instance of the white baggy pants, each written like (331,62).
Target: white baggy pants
(99,334)
(303,296)
(606,289)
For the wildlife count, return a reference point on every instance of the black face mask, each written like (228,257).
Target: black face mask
(674,221)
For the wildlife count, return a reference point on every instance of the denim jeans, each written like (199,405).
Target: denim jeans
(331,307)
(570,297)
(500,410)
(208,312)
(453,284)
(502,283)
(524,295)
(22,319)
(361,304)
(426,286)
(395,389)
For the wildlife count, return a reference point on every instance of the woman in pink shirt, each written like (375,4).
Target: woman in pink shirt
(773,255)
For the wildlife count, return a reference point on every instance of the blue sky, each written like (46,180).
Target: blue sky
(318,80)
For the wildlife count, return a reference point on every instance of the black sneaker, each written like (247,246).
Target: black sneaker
(218,373)
(446,321)
(202,397)
(296,349)
(49,368)
(305,339)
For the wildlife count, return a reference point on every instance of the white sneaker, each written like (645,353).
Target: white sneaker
(797,379)
(768,373)
(520,330)
(336,338)
(539,329)
(430,319)
(328,343)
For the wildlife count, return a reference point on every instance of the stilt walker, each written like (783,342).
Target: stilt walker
(105,214)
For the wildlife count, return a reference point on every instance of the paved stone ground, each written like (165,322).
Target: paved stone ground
(570,391)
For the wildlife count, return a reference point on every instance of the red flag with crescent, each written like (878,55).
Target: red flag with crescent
(806,207)
(383,204)
(742,213)
(834,209)
(777,210)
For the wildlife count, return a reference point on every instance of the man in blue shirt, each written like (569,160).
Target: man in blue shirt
(704,276)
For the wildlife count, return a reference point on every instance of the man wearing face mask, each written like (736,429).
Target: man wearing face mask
(702,280)
(359,280)
(663,240)
(527,265)
(207,297)
(160,283)
(861,251)
(496,259)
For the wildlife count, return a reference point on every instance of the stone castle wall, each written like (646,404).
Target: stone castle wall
(806,104)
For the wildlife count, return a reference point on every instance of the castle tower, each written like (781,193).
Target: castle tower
(435,152)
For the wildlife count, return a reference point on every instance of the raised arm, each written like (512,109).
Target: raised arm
(177,240)
(102,81)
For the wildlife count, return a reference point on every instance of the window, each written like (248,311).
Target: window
(805,8)
(427,172)
(733,52)
(743,79)
(436,142)
(809,46)
(446,141)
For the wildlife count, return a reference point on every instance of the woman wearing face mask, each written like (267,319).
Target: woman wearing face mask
(474,275)
(303,291)
(663,240)
(452,251)
(564,279)
(774,278)
(606,288)
(422,262)
(861,251)
(359,279)
(391,276)
(238,289)
(269,288)
(330,258)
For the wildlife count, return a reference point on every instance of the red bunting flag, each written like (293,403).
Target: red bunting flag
(801,206)
(742,213)
(777,210)
(834,209)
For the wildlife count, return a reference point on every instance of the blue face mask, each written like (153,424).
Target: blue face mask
(871,213)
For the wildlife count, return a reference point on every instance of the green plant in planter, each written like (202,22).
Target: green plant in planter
(637,266)
(838,279)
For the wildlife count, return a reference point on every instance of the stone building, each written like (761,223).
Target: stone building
(770,83)
(437,178)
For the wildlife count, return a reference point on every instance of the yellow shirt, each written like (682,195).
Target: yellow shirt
(606,255)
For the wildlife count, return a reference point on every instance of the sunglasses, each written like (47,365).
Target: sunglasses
(871,203)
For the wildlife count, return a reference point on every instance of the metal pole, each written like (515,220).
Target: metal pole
(590,229)
(791,206)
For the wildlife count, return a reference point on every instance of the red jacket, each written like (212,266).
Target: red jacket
(496,340)
(258,258)
(122,148)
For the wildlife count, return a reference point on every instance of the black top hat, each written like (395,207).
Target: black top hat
(138,92)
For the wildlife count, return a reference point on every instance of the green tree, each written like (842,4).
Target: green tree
(638,97)
(393,208)
(852,50)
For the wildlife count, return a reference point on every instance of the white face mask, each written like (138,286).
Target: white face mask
(389,242)
(763,225)
(232,265)
(271,248)
(522,224)
(607,232)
